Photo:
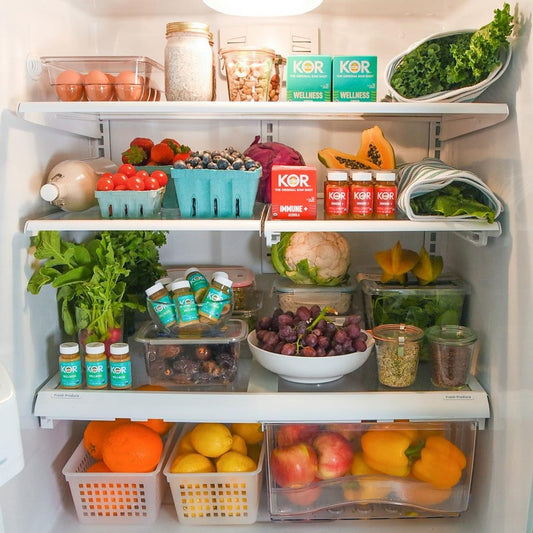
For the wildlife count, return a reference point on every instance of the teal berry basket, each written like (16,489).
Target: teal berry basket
(169,198)
(206,193)
(130,204)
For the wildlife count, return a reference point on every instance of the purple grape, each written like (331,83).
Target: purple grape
(264,323)
(360,345)
(308,351)
(260,334)
(352,330)
(285,332)
(310,339)
(284,320)
(320,352)
(323,342)
(279,347)
(301,328)
(340,337)
(315,310)
(289,348)
(303,313)
(317,332)
(338,349)
(271,337)
(347,346)
(330,329)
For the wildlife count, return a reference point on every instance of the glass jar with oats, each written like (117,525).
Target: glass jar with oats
(397,351)
(189,62)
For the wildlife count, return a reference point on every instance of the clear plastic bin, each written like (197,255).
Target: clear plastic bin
(102,78)
(365,494)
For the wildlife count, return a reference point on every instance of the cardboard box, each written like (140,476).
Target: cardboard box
(293,192)
(309,78)
(354,78)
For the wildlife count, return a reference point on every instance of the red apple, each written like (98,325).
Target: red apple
(351,431)
(294,466)
(289,434)
(305,496)
(335,455)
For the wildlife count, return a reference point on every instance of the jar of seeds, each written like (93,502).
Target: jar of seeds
(397,351)
(189,62)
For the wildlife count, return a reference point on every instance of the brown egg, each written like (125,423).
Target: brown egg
(129,86)
(69,86)
(98,86)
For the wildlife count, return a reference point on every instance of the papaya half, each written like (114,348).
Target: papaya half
(375,152)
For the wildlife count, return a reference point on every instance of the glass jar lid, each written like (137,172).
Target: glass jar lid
(451,334)
(191,27)
(400,333)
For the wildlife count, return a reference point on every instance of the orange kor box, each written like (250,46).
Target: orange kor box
(293,192)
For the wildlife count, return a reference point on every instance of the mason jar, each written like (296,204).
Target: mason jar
(189,62)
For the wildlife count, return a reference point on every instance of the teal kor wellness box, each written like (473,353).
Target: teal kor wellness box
(309,78)
(354,78)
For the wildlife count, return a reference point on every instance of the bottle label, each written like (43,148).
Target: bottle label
(164,310)
(385,200)
(362,200)
(120,374)
(214,303)
(70,372)
(197,281)
(187,308)
(337,200)
(96,373)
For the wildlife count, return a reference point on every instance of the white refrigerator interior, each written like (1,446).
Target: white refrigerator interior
(500,309)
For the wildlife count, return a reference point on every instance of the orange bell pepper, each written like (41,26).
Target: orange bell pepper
(441,463)
(367,486)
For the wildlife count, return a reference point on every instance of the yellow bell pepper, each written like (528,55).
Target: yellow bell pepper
(441,463)
(367,486)
(388,451)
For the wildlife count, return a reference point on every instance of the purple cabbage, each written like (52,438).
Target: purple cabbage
(268,154)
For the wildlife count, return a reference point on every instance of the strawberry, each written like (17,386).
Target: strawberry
(144,143)
(175,145)
(180,157)
(162,154)
(135,155)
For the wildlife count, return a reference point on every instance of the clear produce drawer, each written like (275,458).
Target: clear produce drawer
(369,470)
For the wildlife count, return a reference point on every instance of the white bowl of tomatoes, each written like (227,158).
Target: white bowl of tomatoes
(131,192)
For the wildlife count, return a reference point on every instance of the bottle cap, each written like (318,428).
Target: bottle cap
(179,284)
(220,274)
(94,347)
(385,175)
(154,288)
(190,271)
(223,281)
(361,175)
(69,348)
(119,348)
(338,175)
(165,281)
(49,192)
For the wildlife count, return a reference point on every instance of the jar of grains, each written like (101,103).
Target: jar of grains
(189,62)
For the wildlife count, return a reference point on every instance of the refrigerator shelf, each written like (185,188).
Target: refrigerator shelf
(268,398)
(475,231)
(84,117)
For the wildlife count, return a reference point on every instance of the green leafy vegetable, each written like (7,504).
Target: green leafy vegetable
(453,200)
(455,61)
(96,277)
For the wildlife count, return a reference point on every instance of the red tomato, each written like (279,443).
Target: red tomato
(136,183)
(104,184)
(107,175)
(142,173)
(120,179)
(127,169)
(151,183)
(121,188)
(161,177)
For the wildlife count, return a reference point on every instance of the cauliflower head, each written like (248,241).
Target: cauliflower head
(318,258)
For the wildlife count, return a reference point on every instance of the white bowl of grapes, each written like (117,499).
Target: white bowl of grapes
(309,345)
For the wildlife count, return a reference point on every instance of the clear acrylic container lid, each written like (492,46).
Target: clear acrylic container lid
(285,285)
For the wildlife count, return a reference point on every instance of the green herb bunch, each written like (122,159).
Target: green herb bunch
(102,276)
(456,61)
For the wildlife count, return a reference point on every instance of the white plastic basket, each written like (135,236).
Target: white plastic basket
(216,498)
(465,94)
(115,497)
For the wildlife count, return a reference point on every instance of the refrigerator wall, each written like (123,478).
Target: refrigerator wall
(37,499)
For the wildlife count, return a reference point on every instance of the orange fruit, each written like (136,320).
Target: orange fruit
(99,466)
(132,447)
(94,435)
(148,386)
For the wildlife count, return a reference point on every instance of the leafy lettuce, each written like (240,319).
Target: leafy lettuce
(455,61)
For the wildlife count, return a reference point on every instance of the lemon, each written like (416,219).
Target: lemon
(191,463)
(185,445)
(254,451)
(235,462)
(211,439)
(251,432)
(239,445)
